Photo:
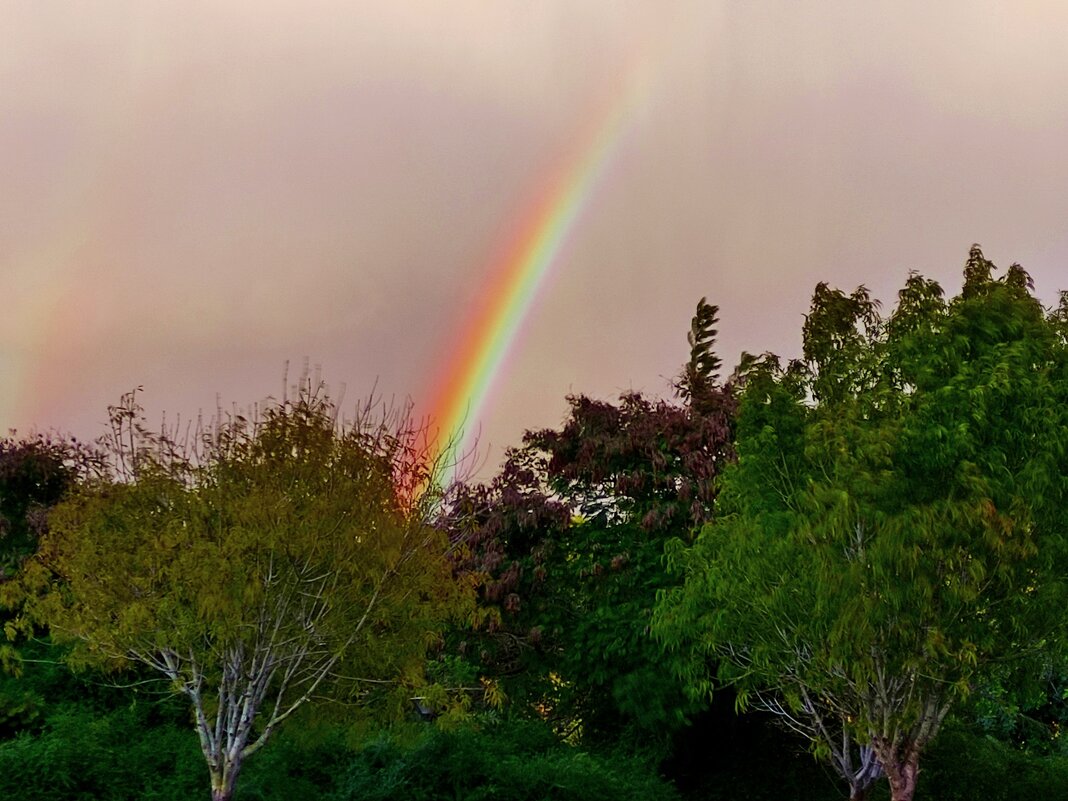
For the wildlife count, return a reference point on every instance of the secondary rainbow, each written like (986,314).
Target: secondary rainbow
(477,359)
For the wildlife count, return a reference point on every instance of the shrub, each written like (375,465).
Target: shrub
(965,766)
(113,757)
(497,762)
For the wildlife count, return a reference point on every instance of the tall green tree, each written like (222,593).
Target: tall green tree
(894,524)
(284,561)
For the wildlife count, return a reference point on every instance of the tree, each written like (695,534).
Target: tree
(894,524)
(570,539)
(283,562)
(35,474)
(698,383)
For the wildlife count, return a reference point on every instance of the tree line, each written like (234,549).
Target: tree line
(858,543)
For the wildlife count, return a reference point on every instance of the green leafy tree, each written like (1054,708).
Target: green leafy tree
(284,561)
(894,524)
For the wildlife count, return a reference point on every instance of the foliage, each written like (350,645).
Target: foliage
(964,765)
(569,538)
(120,755)
(283,562)
(35,473)
(698,384)
(650,463)
(497,762)
(894,523)
(1025,709)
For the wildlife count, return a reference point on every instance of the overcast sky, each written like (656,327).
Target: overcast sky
(192,193)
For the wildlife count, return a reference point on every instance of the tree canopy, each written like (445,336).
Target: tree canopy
(35,474)
(570,537)
(894,524)
(279,563)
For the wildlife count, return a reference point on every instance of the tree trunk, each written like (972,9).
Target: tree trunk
(903,780)
(901,764)
(223,781)
(857,793)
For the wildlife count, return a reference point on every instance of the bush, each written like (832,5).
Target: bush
(114,757)
(963,766)
(293,767)
(496,762)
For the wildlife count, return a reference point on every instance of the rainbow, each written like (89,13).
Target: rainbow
(477,358)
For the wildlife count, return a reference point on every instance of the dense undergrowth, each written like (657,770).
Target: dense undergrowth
(65,736)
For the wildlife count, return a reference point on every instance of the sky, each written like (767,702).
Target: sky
(196,193)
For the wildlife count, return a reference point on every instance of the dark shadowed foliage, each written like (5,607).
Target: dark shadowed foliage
(569,541)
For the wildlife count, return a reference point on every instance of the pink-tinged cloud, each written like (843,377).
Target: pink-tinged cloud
(196,192)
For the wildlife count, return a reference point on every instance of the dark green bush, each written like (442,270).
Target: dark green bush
(293,767)
(965,766)
(113,757)
(68,738)
(496,762)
